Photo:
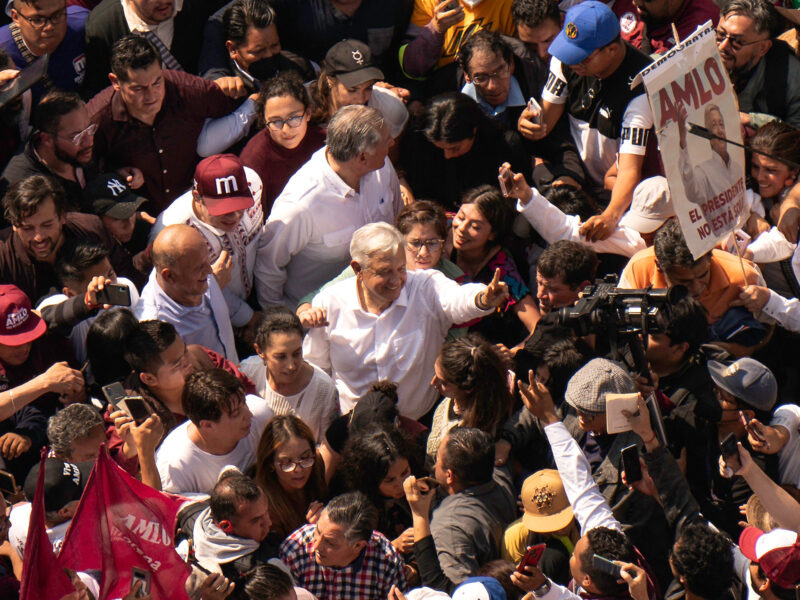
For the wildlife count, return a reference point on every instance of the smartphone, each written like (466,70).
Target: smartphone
(751,429)
(533,105)
(506,179)
(430,482)
(631,464)
(728,447)
(608,567)
(138,574)
(116,294)
(8,485)
(114,392)
(27,78)
(136,407)
(533,555)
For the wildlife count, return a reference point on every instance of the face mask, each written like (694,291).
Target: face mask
(471,3)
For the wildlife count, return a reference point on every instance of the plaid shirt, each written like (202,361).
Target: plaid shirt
(369,577)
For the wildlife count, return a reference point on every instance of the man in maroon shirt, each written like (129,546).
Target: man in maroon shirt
(151,118)
(646,24)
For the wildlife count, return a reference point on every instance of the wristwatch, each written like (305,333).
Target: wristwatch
(542,590)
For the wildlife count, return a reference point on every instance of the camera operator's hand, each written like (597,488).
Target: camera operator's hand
(537,399)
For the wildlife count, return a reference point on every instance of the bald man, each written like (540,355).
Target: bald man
(182,290)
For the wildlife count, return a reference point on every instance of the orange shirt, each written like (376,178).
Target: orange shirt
(494,15)
(723,286)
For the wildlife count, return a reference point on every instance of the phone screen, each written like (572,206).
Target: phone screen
(137,409)
(7,482)
(728,446)
(630,463)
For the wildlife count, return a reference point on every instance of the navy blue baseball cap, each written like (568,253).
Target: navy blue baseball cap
(588,26)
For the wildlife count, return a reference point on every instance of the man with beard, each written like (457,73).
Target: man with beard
(40,224)
(60,147)
(765,74)
(647,24)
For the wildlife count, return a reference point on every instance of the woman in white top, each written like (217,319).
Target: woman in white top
(289,384)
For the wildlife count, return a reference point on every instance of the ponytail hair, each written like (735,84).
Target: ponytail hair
(477,368)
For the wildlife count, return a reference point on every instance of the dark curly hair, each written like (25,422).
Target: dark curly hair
(610,544)
(670,247)
(702,558)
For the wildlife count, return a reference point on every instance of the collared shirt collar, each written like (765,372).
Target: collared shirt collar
(333,182)
(515,98)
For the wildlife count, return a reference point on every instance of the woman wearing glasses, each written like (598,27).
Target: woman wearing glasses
(286,140)
(424,227)
(288,383)
(290,473)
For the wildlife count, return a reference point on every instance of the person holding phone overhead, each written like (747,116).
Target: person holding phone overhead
(388,322)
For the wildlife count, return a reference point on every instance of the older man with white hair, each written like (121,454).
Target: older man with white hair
(344,185)
(389,323)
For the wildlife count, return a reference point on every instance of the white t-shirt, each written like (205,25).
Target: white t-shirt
(317,404)
(185,468)
(788,416)
(18,532)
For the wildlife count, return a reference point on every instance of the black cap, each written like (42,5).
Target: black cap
(350,61)
(63,482)
(108,195)
(374,408)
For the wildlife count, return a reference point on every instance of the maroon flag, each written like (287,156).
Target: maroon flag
(122,523)
(42,577)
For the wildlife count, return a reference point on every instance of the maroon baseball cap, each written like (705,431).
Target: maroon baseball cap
(221,181)
(776,552)
(18,323)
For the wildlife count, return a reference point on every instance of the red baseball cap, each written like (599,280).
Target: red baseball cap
(221,181)
(18,323)
(776,552)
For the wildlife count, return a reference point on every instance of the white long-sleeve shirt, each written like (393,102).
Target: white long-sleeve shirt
(401,344)
(554,225)
(306,239)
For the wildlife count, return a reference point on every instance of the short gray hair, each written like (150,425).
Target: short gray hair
(74,422)
(355,514)
(763,14)
(373,239)
(352,130)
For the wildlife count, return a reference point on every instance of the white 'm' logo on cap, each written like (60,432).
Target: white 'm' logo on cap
(358,57)
(15,319)
(115,187)
(226,185)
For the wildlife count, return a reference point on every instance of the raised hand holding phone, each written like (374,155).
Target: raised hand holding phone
(514,185)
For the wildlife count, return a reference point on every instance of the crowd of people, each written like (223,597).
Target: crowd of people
(346,278)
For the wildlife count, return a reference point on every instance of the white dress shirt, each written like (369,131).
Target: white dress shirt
(241,244)
(208,324)
(708,179)
(553,225)
(308,232)
(401,344)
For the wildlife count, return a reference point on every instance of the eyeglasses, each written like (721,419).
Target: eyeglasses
(40,22)
(293,122)
(287,466)
(78,137)
(432,245)
(736,42)
(483,78)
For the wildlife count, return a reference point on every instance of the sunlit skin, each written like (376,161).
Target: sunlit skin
(695,279)
(539,38)
(383,278)
(741,61)
(455,149)
(488,64)
(41,234)
(294,449)
(287,372)
(330,547)
(341,95)
(252,520)
(226,222)
(45,39)
(282,108)
(391,486)
(258,45)
(142,92)
(422,258)
(153,11)
(170,377)
(773,176)
(231,428)
(102,268)
(471,230)
(552,293)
